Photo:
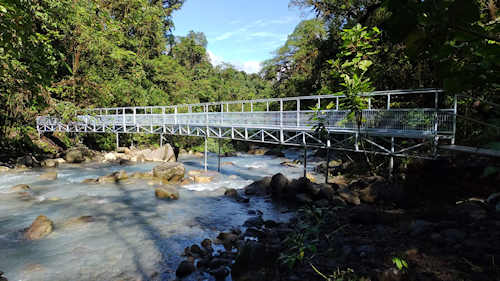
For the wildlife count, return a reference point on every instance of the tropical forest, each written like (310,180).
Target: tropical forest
(336,140)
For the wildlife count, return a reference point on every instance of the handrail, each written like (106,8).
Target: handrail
(332,96)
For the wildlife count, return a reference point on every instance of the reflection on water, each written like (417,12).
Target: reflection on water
(133,236)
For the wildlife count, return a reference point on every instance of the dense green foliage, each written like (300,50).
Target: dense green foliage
(57,56)
(449,44)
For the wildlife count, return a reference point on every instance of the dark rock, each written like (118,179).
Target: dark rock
(420,227)
(278,184)
(220,273)
(349,196)
(338,201)
(254,222)
(254,232)
(232,193)
(390,274)
(252,256)
(229,154)
(203,263)
(217,262)
(260,187)
(366,250)
(206,244)
(322,203)
(364,215)
(2,278)
(453,235)
(303,198)
(184,269)
(493,199)
(270,223)
(469,212)
(326,192)
(195,249)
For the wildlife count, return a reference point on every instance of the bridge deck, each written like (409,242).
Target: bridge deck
(254,120)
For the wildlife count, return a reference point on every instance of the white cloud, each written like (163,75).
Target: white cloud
(251,66)
(263,34)
(224,36)
(214,59)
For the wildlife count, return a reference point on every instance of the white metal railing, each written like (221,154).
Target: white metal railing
(413,121)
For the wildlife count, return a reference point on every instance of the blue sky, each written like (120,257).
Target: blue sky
(241,32)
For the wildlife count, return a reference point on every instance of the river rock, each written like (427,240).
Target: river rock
(164,153)
(40,228)
(349,196)
(326,191)
(220,273)
(321,167)
(89,181)
(125,150)
(110,156)
(20,188)
(229,154)
(4,169)
(78,221)
(278,184)
(113,177)
(291,163)
(303,198)
(202,179)
(50,163)
(74,155)
(166,193)
(49,176)
(2,278)
(260,187)
(171,171)
(232,193)
(258,151)
(27,160)
(493,199)
(185,268)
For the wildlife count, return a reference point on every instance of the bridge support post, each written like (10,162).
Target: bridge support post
(161,140)
(327,164)
(218,158)
(205,154)
(391,160)
(117,141)
(305,160)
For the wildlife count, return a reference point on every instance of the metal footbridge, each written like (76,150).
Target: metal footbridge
(386,126)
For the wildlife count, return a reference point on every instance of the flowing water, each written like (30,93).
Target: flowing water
(133,235)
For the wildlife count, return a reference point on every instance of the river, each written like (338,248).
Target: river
(133,235)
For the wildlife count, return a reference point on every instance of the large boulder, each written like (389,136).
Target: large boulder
(110,156)
(171,171)
(278,184)
(260,187)
(4,169)
(166,193)
(164,153)
(74,155)
(49,176)
(40,228)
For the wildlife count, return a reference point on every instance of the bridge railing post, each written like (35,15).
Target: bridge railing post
(298,112)
(454,118)
(282,140)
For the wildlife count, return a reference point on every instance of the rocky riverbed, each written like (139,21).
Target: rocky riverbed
(104,221)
